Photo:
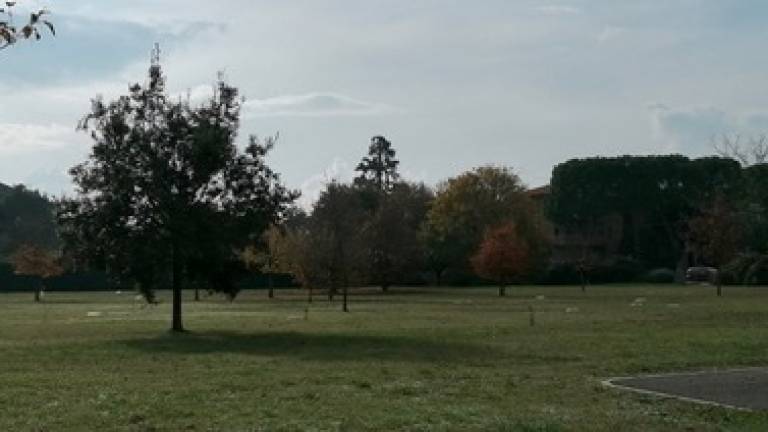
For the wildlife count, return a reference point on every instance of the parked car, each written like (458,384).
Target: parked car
(701,274)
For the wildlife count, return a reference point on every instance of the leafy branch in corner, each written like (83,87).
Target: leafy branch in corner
(10,33)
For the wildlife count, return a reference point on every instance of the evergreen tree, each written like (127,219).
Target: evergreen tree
(379,168)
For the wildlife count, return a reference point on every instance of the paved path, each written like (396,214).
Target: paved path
(741,389)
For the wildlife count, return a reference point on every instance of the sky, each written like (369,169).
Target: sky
(453,84)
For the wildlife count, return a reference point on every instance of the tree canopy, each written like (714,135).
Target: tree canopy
(505,256)
(165,190)
(467,205)
(26,217)
(379,167)
(654,195)
(31,260)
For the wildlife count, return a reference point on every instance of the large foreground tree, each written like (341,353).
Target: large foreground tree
(165,193)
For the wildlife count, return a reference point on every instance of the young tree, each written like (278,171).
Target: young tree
(165,185)
(716,235)
(297,255)
(504,256)
(35,261)
(391,233)
(11,33)
(267,256)
(336,253)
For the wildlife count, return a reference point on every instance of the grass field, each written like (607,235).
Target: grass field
(415,360)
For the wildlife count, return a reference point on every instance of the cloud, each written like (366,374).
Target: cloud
(694,130)
(18,138)
(39,155)
(313,104)
(339,170)
(558,10)
(316,104)
(610,33)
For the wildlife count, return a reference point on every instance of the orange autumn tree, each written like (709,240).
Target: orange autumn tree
(504,256)
(35,261)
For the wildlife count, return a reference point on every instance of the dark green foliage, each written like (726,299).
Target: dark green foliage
(82,281)
(567,273)
(335,226)
(654,195)
(660,275)
(26,217)
(748,269)
(333,253)
(393,214)
(379,168)
(165,195)
(755,208)
(391,231)
(672,186)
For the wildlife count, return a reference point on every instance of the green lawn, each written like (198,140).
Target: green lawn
(415,360)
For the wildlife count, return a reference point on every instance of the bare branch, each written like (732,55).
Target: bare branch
(753,152)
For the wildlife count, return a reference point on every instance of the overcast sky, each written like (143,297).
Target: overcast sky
(453,84)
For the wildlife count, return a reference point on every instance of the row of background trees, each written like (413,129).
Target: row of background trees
(383,231)
(481,225)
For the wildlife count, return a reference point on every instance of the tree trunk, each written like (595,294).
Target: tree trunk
(439,277)
(197,294)
(271,286)
(37,294)
(176,324)
(681,267)
(718,282)
(331,292)
(502,290)
(344,305)
(583,280)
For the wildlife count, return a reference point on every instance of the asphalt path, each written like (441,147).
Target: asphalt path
(741,389)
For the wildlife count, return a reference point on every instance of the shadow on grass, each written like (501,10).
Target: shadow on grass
(317,347)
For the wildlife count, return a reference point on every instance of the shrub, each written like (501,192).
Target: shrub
(660,276)
(560,274)
(621,270)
